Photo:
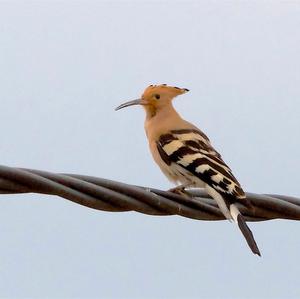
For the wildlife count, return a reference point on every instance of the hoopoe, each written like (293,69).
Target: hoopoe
(185,155)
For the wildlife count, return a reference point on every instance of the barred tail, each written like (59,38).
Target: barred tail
(240,221)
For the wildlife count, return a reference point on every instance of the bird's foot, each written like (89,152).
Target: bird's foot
(180,190)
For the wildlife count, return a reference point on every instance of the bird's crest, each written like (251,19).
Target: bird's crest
(173,91)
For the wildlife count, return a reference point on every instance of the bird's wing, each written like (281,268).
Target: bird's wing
(192,150)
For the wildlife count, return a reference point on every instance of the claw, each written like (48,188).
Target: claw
(180,190)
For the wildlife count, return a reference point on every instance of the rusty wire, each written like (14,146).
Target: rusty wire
(112,196)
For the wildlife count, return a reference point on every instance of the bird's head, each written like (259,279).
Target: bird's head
(156,97)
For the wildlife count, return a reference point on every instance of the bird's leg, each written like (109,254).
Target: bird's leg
(180,189)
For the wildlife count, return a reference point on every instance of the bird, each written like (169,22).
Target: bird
(186,156)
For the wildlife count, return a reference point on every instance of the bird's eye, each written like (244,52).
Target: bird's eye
(157,96)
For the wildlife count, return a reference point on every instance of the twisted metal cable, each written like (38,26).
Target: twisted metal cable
(112,196)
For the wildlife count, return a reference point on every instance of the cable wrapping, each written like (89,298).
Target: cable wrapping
(107,195)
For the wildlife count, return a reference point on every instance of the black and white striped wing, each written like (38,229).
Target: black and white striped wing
(191,150)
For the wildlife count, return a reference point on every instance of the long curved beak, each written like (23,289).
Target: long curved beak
(130,103)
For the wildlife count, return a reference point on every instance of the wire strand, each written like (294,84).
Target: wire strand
(107,195)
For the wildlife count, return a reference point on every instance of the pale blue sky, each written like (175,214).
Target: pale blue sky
(65,65)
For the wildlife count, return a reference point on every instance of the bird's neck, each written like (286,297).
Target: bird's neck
(161,120)
(154,113)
